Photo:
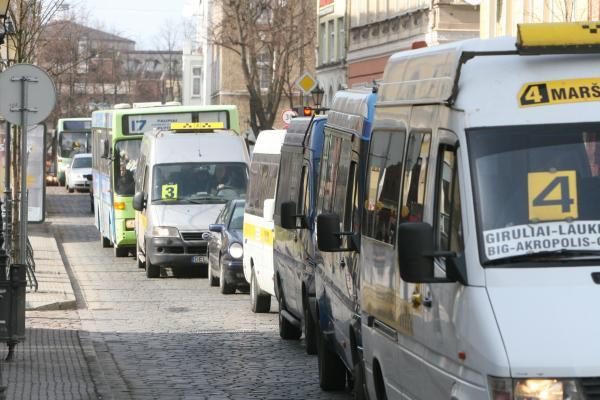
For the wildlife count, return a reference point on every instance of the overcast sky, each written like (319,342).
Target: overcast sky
(140,20)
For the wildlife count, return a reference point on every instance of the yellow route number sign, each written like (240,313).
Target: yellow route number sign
(552,195)
(169,192)
(559,92)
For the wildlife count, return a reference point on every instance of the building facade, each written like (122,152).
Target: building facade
(500,17)
(221,80)
(332,49)
(379,28)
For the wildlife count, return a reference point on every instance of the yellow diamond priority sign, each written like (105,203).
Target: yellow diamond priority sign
(306,82)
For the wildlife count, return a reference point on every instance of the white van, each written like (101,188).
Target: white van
(183,180)
(258,219)
(480,244)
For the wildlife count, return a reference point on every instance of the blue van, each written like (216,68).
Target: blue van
(293,249)
(340,204)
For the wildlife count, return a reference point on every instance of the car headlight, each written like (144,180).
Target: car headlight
(236,250)
(535,389)
(165,231)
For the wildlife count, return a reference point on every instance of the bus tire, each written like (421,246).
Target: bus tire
(310,331)
(287,331)
(121,251)
(260,302)
(105,242)
(332,371)
(152,270)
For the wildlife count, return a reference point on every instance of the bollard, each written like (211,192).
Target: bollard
(16,326)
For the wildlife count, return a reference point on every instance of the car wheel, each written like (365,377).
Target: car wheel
(332,371)
(358,382)
(287,330)
(152,270)
(259,302)
(140,263)
(212,280)
(70,190)
(310,333)
(105,242)
(226,287)
(121,251)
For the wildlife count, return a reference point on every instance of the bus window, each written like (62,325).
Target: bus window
(415,177)
(126,158)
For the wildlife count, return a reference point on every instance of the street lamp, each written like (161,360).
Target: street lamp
(4,8)
(3,15)
(317,95)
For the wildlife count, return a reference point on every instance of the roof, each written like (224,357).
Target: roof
(351,109)
(56,27)
(172,147)
(296,130)
(83,155)
(269,141)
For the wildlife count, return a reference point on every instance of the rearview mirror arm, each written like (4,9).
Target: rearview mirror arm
(454,264)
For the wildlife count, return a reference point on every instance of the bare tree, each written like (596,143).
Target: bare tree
(167,44)
(29,17)
(270,37)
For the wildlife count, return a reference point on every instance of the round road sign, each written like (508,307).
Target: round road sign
(287,116)
(40,96)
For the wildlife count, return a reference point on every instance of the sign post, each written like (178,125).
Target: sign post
(28,98)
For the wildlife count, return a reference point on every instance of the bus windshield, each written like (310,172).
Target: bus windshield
(71,143)
(125,161)
(537,190)
(199,182)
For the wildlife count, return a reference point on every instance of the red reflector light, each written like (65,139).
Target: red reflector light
(418,44)
(308,111)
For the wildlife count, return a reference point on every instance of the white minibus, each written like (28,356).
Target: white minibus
(480,240)
(258,219)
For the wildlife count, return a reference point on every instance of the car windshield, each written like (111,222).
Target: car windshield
(537,191)
(82,162)
(71,143)
(199,182)
(237,219)
(125,161)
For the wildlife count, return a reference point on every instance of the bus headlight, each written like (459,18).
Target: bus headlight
(236,250)
(130,224)
(547,389)
(534,389)
(165,231)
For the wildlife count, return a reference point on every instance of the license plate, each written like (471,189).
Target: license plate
(199,260)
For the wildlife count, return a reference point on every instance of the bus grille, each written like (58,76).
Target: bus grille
(591,388)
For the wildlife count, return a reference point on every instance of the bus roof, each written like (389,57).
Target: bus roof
(114,117)
(353,110)
(269,141)
(296,130)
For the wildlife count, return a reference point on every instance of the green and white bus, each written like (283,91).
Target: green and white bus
(73,136)
(117,136)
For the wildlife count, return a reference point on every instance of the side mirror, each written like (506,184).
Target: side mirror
(218,228)
(105,148)
(268,209)
(289,216)
(139,201)
(328,233)
(416,251)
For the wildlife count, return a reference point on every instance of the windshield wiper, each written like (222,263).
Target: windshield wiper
(553,255)
(203,199)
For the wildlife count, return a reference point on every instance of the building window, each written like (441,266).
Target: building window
(331,46)
(265,70)
(341,51)
(323,44)
(196,81)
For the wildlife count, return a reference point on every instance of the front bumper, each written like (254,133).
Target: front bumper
(81,184)
(175,252)
(234,272)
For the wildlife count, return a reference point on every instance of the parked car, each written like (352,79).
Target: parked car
(76,172)
(225,249)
